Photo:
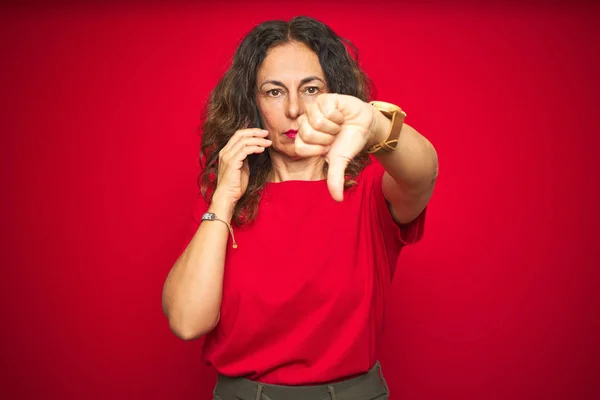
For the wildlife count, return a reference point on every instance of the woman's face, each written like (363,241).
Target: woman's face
(288,79)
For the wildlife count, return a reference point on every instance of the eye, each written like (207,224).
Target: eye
(274,92)
(312,90)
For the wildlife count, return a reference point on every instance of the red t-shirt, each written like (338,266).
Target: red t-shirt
(303,294)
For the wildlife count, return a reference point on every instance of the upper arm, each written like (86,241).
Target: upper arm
(405,206)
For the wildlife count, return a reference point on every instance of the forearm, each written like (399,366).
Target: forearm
(413,165)
(193,289)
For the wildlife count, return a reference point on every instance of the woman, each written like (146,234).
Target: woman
(298,230)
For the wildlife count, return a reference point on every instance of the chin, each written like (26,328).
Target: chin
(288,151)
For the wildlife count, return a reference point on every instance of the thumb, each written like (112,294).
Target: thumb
(335,177)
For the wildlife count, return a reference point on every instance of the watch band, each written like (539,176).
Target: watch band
(396,115)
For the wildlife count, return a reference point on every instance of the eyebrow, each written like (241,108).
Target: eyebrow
(302,82)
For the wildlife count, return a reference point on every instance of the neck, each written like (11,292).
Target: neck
(287,169)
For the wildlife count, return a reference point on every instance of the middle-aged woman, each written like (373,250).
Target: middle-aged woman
(309,193)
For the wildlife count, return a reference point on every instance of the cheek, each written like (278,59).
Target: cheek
(268,119)
(273,118)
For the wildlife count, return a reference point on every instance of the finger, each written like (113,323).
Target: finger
(251,150)
(309,135)
(238,148)
(241,158)
(335,177)
(304,149)
(330,108)
(243,133)
(311,150)
(248,141)
(319,121)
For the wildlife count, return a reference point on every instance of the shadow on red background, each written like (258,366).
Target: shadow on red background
(99,111)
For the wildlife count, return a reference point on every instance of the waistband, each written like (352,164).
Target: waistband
(370,385)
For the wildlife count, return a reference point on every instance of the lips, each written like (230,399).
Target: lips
(291,133)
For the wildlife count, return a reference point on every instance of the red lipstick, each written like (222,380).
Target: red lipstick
(291,134)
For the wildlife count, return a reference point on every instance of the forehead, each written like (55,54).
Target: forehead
(290,62)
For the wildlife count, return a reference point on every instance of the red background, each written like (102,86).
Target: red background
(99,110)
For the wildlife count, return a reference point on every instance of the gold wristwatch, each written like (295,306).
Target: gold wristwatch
(394,114)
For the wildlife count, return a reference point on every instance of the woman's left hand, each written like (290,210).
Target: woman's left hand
(337,127)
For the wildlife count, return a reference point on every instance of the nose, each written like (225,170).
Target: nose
(295,106)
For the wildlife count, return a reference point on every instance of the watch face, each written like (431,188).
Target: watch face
(208,217)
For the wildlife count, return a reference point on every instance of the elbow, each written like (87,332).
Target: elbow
(189,321)
(188,334)
(188,330)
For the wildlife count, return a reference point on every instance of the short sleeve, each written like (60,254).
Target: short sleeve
(412,232)
(404,234)
(395,236)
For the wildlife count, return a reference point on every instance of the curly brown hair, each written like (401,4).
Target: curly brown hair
(232,103)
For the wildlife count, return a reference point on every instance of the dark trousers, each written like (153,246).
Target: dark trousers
(369,386)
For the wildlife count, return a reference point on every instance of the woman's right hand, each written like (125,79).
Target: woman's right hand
(234,172)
